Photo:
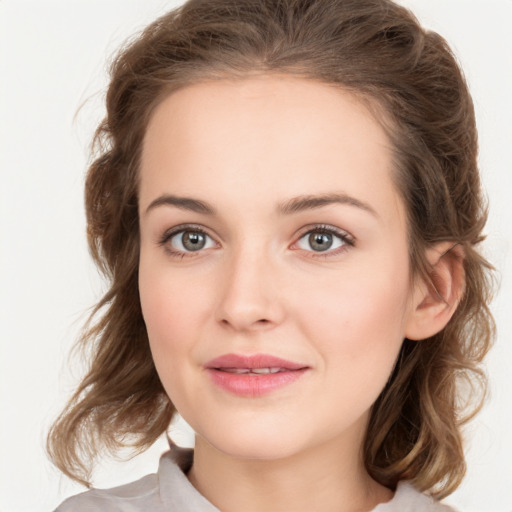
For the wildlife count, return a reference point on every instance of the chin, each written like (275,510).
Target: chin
(257,440)
(256,448)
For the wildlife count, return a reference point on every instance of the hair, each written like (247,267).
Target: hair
(378,51)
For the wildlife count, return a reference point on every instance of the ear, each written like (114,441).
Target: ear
(435,299)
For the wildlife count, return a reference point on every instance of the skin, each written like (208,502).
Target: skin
(247,148)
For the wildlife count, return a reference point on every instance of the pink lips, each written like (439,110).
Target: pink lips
(253,376)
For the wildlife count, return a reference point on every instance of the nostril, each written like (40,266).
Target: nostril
(262,322)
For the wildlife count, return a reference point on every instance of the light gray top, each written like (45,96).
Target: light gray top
(170,491)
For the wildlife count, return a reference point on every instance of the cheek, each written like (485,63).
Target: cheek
(358,340)
(357,322)
(172,307)
(171,301)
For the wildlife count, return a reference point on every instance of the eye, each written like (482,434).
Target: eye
(324,240)
(187,241)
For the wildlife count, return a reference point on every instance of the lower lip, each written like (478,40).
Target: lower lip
(253,385)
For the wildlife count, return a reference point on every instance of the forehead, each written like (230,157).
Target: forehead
(268,136)
(313,109)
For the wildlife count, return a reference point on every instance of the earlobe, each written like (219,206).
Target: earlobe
(435,299)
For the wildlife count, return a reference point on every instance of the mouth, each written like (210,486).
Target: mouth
(254,375)
(255,371)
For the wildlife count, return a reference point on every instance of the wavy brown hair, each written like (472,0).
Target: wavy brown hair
(377,50)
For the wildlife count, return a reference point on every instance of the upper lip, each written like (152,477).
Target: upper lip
(252,361)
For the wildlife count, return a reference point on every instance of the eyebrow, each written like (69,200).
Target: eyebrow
(289,207)
(183,203)
(309,202)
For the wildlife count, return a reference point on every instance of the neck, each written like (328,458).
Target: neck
(326,477)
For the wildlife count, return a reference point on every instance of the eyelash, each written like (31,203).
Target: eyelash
(169,234)
(346,239)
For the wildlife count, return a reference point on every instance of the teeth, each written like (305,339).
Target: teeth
(265,370)
(258,371)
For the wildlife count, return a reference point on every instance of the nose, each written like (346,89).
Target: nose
(249,295)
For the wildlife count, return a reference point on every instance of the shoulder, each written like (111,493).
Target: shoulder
(408,499)
(139,495)
(166,491)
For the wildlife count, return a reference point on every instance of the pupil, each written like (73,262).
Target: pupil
(193,241)
(320,241)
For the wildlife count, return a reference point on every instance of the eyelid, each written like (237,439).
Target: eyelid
(168,233)
(176,230)
(347,239)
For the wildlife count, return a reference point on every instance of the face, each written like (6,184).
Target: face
(274,271)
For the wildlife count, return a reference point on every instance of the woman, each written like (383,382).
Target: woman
(287,203)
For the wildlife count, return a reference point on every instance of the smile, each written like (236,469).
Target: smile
(253,376)
(256,371)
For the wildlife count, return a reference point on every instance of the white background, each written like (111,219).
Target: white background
(52,59)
